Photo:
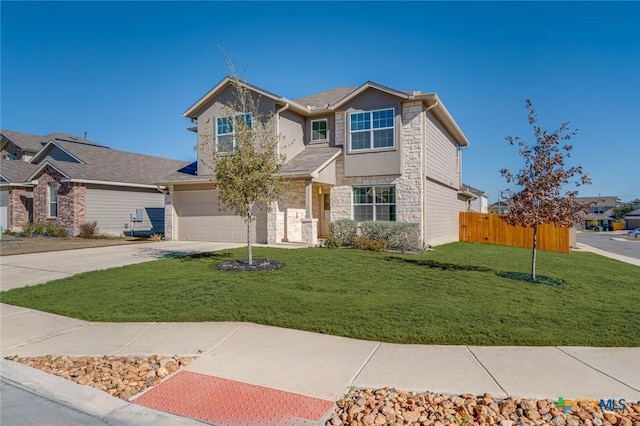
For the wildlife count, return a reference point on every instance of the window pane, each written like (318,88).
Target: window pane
(360,140)
(225,143)
(386,212)
(247,119)
(362,213)
(382,118)
(224,125)
(363,195)
(319,130)
(53,193)
(385,194)
(382,138)
(360,121)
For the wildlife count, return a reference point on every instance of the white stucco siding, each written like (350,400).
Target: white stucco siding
(111,208)
(4,208)
(442,208)
(441,154)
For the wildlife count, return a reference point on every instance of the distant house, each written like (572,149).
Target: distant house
(601,214)
(69,181)
(480,201)
(500,207)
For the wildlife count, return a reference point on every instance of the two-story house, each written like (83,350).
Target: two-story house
(363,153)
(601,214)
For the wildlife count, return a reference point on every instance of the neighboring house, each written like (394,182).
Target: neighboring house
(480,201)
(632,219)
(363,153)
(601,213)
(70,181)
(500,207)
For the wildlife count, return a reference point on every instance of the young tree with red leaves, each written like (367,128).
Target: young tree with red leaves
(542,182)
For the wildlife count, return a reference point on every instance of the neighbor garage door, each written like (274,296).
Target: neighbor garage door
(200,219)
(4,208)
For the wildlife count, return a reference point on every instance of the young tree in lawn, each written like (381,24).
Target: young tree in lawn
(247,163)
(542,181)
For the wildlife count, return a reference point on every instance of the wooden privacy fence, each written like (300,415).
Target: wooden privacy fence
(489,228)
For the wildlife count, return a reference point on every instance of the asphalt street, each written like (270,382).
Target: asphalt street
(610,242)
(21,407)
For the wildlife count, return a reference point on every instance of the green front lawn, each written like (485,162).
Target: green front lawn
(451,295)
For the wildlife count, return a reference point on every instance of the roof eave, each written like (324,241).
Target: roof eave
(364,87)
(110,183)
(191,111)
(444,114)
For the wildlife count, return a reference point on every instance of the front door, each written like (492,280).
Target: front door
(325,215)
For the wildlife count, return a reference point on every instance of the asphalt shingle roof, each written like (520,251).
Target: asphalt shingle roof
(26,141)
(16,171)
(111,165)
(309,160)
(328,97)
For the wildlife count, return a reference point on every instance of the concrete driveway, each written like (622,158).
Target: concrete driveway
(37,268)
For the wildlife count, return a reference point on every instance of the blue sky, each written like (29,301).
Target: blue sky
(124,72)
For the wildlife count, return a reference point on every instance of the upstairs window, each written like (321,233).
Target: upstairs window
(53,200)
(319,130)
(374,203)
(597,210)
(372,129)
(225,132)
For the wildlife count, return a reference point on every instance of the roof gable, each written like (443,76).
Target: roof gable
(56,152)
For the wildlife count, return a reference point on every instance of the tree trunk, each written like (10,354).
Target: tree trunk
(534,253)
(249,254)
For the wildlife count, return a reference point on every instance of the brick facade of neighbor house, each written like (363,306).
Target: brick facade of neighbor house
(71,201)
(18,211)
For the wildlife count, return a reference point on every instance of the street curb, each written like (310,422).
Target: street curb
(90,401)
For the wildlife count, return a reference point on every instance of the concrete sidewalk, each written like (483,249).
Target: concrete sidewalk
(324,366)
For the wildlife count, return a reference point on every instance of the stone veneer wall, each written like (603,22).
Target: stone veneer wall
(71,201)
(18,215)
(284,221)
(169,217)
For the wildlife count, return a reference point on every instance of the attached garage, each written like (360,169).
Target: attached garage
(200,219)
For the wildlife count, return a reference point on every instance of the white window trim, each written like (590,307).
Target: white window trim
(326,120)
(233,132)
(371,130)
(374,204)
(50,186)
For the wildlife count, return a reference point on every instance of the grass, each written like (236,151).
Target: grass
(452,295)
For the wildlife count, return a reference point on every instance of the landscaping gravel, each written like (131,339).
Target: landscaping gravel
(121,377)
(394,407)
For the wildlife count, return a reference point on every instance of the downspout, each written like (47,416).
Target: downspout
(283,109)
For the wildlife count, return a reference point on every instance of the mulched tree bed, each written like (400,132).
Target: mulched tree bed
(242,265)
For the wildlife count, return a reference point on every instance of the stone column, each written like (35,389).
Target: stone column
(308,197)
(170,233)
(310,231)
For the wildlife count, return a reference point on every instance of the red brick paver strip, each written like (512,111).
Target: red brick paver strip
(229,403)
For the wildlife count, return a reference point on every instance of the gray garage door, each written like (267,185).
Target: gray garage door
(200,219)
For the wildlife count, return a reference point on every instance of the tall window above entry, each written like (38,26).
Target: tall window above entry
(225,131)
(372,129)
(53,200)
(319,130)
